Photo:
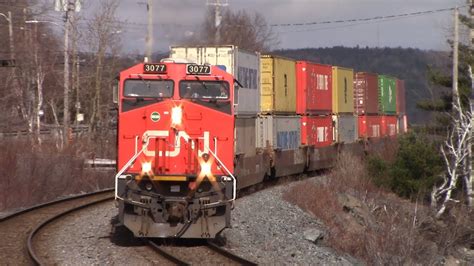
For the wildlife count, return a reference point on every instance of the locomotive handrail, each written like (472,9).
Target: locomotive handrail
(234,185)
(145,145)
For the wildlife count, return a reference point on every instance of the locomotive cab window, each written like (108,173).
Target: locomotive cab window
(204,90)
(145,88)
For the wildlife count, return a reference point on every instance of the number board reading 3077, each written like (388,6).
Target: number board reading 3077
(154,69)
(193,69)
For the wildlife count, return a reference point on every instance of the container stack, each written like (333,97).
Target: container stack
(366,105)
(344,121)
(388,104)
(277,125)
(402,123)
(284,103)
(314,103)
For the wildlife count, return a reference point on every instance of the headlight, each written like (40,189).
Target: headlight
(206,169)
(176,116)
(146,169)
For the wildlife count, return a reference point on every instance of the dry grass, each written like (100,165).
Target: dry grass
(374,225)
(32,175)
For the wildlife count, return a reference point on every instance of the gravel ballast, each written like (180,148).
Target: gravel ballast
(266,229)
(269,230)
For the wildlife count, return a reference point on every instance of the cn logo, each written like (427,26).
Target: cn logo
(155,134)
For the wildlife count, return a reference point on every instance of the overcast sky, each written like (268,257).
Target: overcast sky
(175,19)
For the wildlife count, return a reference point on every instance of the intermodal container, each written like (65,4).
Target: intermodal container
(387,95)
(401,98)
(342,90)
(366,93)
(345,128)
(278,132)
(316,131)
(278,85)
(313,88)
(243,65)
(402,126)
(389,125)
(245,139)
(370,126)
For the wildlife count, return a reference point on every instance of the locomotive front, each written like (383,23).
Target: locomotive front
(175,150)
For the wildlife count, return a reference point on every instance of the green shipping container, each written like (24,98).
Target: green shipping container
(278,85)
(387,95)
(342,90)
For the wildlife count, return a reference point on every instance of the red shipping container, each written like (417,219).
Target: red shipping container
(313,88)
(389,125)
(370,126)
(366,98)
(401,98)
(316,131)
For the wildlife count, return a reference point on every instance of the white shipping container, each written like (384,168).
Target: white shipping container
(245,140)
(278,132)
(345,128)
(243,65)
(402,125)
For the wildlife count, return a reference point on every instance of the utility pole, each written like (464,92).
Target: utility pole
(66,75)
(68,7)
(455,57)
(149,37)
(217,17)
(471,100)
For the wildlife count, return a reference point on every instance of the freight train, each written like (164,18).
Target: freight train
(197,127)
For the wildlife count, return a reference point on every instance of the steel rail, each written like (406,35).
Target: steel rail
(29,242)
(49,203)
(166,254)
(229,254)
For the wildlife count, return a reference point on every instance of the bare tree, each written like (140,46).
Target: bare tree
(457,147)
(455,153)
(102,32)
(248,31)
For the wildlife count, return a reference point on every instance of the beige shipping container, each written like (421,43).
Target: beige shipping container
(278,85)
(245,138)
(342,90)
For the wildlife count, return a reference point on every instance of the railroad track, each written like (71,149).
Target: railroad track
(209,253)
(17,230)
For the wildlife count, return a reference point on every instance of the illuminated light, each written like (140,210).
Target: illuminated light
(206,173)
(176,116)
(206,169)
(146,169)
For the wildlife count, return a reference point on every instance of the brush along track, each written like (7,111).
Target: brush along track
(15,228)
(188,253)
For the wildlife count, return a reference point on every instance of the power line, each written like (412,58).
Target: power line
(376,18)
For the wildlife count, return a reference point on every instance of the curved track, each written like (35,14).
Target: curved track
(207,254)
(15,228)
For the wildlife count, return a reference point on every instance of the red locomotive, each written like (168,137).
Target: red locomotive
(175,143)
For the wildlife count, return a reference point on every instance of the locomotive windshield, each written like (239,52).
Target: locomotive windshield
(199,89)
(143,88)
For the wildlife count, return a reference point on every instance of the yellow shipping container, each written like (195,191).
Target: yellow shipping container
(278,80)
(342,90)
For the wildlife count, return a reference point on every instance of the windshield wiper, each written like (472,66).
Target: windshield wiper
(147,83)
(202,83)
